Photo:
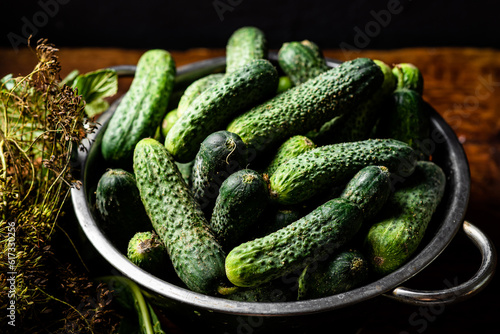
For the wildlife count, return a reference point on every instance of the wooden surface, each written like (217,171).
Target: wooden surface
(463,85)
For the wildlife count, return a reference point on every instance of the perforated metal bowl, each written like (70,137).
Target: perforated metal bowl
(234,316)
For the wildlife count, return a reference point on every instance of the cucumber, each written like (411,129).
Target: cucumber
(357,124)
(369,189)
(291,148)
(345,271)
(142,108)
(198,259)
(326,166)
(407,119)
(195,89)
(243,196)
(301,61)
(321,232)
(307,106)
(120,207)
(147,251)
(284,83)
(211,111)
(408,76)
(401,224)
(168,121)
(243,46)
(221,154)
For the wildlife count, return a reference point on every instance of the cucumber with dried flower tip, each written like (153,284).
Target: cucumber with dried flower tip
(142,109)
(301,61)
(326,166)
(120,207)
(197,257)
(243,196)
(319,233)
(402,223)
(216,106)
(291,148)
(147,251)
(221,154)
(343,272)
(244,45)
(195,89)
(307,106)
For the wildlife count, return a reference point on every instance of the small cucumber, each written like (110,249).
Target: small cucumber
(168,121)
(147,251)
(291,148)
(197,257)
(142,109)
(401,224)
(301,61)
(195,89)
(345,271)
(243,46)
(408,76)
(243,196)
(215,107)
(308,106)
(119,206)
(369,189)
(221,154)
(317,234)
(326,166)
(284,84)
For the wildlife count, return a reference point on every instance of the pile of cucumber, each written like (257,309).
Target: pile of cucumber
(272,181)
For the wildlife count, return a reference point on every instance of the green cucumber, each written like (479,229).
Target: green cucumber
(284,84)
(243,46)
(357,124)
(369,189)
(168,121)
(243,196)
(326,166)
(216,106)
(120,207)
(301,61)
(198,259)
(142,109)
(310,238)
(401,224)
(221,154)
(291,148)
(345,271)
(408,76)
(195,89)
(147,251)
(307,106)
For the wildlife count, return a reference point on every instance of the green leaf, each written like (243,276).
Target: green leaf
(95,86)
(7,82)
(96,107)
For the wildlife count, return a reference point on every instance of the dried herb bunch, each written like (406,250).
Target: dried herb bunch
(42,122)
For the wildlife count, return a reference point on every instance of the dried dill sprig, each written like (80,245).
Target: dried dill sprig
(42,123)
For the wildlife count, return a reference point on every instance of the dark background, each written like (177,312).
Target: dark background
(184,24)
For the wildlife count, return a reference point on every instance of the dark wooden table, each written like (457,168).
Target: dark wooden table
(463,85)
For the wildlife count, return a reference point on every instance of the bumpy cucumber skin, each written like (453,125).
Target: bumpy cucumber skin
(243,196)
(215,107)
(147,251)
(301,61)
(195,89)
(142,108)
(369,189)
(408,76)
(307,106)
(243,46)
(291,148)
(407,119)
(357,124)
(345,271)
(197,257)
(317,234)
(326,166)
(119,205)
(401,224)
(221,154)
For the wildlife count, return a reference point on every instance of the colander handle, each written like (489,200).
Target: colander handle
(458,293)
